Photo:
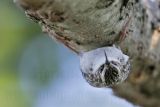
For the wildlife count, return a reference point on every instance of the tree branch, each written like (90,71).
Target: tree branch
(83,25)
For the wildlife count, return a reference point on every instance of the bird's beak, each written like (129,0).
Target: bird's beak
(107,61)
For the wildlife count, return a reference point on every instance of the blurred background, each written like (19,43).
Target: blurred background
(35,71)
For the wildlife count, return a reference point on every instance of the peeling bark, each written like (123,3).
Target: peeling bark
(83,25)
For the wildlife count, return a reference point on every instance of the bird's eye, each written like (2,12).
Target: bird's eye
(101,67)
(114,63)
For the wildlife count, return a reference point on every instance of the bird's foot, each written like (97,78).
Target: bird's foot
(123,33)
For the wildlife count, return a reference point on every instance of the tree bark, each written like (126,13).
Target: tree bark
(83,25)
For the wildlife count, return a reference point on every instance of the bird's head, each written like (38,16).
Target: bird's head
(104,67)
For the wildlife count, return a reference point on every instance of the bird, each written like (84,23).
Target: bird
(105,67)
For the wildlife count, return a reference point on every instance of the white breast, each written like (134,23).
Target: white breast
(95,58)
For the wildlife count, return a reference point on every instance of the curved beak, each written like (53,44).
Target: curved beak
(107,61)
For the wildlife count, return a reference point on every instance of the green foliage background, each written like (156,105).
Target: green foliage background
(16,32)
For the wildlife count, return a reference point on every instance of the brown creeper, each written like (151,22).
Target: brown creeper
(105,66)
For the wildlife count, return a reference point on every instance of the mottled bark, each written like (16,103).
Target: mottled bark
(83,25)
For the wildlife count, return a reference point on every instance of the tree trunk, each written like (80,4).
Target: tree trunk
(83,25)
